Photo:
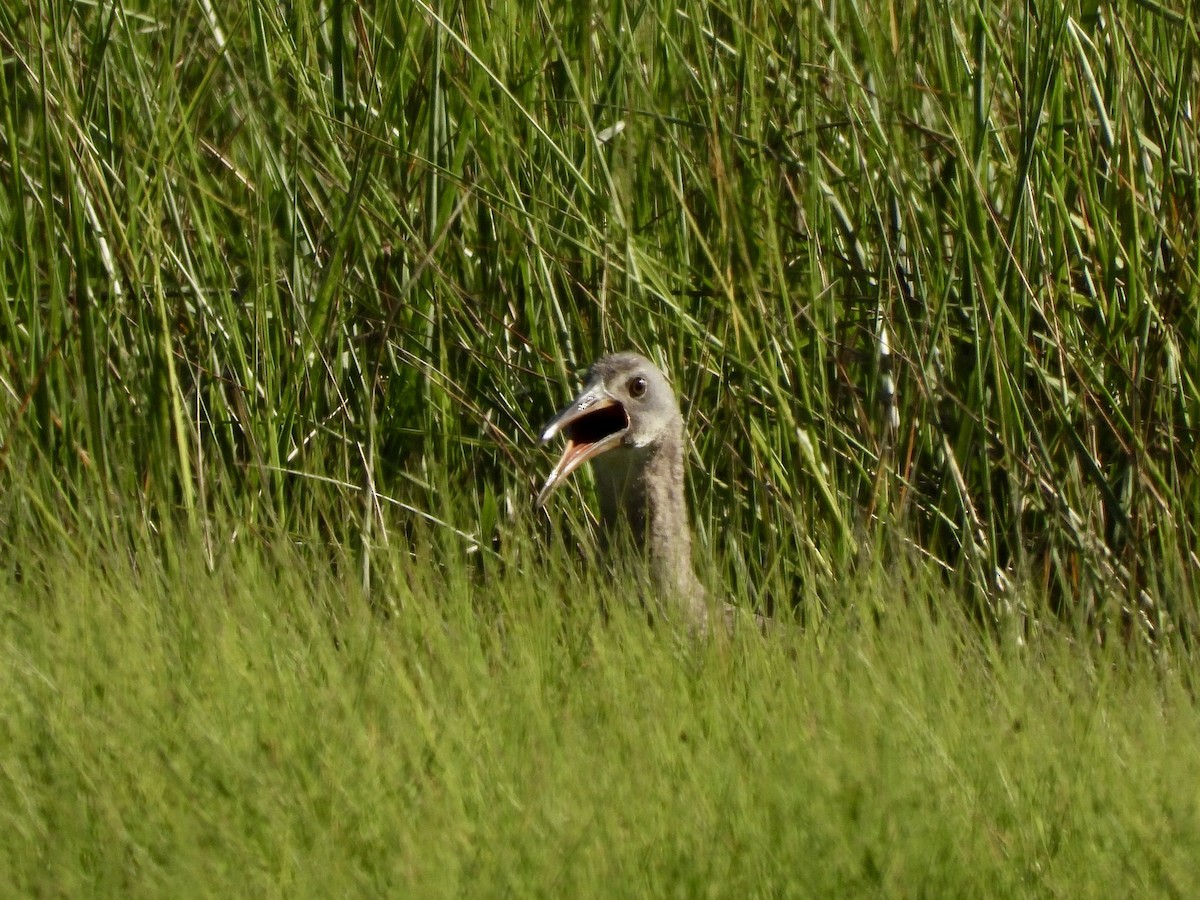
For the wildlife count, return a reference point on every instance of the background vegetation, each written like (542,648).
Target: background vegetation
(290,288)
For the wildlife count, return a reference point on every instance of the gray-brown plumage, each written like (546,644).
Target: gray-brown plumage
(626,422)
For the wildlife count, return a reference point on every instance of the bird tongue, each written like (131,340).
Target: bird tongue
(575,454)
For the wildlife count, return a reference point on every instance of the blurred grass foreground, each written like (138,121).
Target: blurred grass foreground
(289,290)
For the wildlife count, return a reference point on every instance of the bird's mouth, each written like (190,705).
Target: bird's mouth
(594,423)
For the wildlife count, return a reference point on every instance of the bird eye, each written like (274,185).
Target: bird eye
(637,387)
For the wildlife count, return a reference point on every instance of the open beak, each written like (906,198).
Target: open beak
(593,423)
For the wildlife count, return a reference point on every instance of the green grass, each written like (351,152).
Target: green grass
(288,291)
(291,265)
(256,730)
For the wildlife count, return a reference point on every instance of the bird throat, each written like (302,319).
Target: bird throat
(642,500)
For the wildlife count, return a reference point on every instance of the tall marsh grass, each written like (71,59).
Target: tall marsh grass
(302,262)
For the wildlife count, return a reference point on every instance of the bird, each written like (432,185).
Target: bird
(626,422)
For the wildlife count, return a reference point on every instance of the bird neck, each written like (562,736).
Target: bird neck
(644,487)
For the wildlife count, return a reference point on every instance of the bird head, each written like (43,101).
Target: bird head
(626,404)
